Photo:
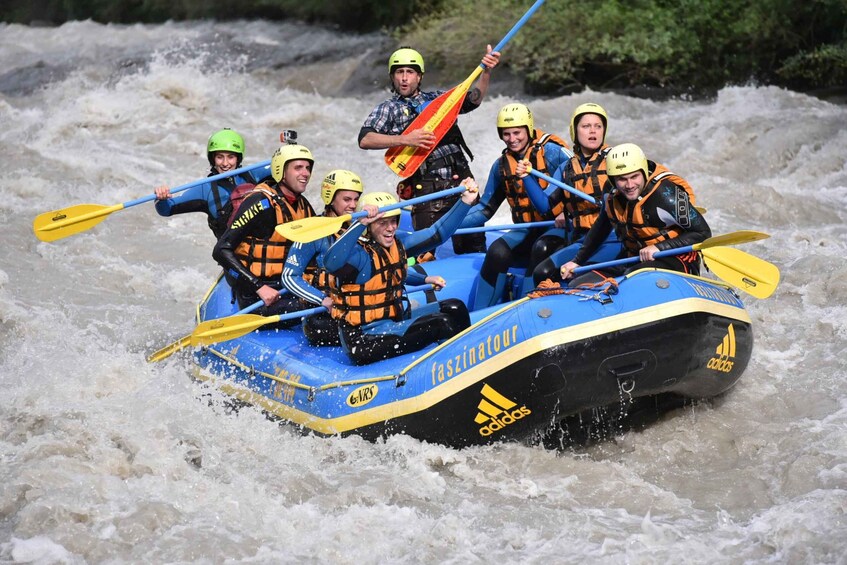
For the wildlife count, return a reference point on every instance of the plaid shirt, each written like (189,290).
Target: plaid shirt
(393,116)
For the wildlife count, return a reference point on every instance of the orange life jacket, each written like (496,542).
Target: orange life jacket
(265,257)
(380,297)
(628,218)
(661,175)
(519,202)
(591,180)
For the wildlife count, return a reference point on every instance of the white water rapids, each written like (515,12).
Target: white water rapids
(106,458)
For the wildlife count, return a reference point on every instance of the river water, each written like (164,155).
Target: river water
(106,458)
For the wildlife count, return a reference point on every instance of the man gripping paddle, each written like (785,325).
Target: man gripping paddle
(384,128)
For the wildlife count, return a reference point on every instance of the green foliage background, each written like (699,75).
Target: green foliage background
(693,46)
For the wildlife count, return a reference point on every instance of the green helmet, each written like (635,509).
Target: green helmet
(225,140)
(287,153)
(406,57)
(339,179)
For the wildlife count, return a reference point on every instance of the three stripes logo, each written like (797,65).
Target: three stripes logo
(724,353)
(496,412)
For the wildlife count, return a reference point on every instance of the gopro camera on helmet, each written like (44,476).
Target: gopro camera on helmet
(288,136)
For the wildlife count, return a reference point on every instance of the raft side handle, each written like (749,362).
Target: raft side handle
(400,380)
(627,370)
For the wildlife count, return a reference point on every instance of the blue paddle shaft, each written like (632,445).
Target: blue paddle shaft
(636,259)
(516,27)
(527,225)
(149,197)
(561,185)
(419,200)
(317,309)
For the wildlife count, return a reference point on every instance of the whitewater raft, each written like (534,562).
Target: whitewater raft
(520,369)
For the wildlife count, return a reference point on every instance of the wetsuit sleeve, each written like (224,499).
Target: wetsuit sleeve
(694,225)
(595,237)
(348,260)
(539,198)
(556,156)
(492,197)
(428,239)
(256,217)
(415,278)
(300,256)
(195,199)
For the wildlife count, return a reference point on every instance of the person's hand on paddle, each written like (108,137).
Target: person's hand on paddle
(373,214)
(327,302)
(418,138)
(567,270)
(523,168)
(561,220)
(490,59)
(469,196)
(162,192)
(268,294)
(436,281)
(646,254)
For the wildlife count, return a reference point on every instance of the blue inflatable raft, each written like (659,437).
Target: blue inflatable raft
(520,369)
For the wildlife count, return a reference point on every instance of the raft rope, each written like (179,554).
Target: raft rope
(313,390)
(603,289)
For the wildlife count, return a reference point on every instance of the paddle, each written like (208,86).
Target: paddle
(747,272)
(238,324)
(527,225)
(576,192)
(231,327)
(316,227)
(439,115)
(58,224)
(184,342)
(742,270)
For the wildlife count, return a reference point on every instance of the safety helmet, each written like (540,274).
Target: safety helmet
(339,179)
(405,57)
(589,108)
(225,140)
(287,153)
(624,159)
(513,116)
(379,199)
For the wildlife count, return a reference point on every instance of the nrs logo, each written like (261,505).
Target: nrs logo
(362,395)
(496,412)
(724,352)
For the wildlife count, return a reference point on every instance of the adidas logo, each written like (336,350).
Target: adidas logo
(724,353)
(496,412)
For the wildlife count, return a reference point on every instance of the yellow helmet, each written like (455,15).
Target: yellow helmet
(379,199)
(515,115)
(339,179)
(624,159)
(406,57)
(285,154)
(589,108)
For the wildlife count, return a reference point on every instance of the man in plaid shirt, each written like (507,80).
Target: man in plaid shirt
(447,163)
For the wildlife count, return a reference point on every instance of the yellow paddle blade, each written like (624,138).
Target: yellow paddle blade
(231,327)
(57,224)
(310,229)
(701,209)
(169,349)
(747,272)
(732,238)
